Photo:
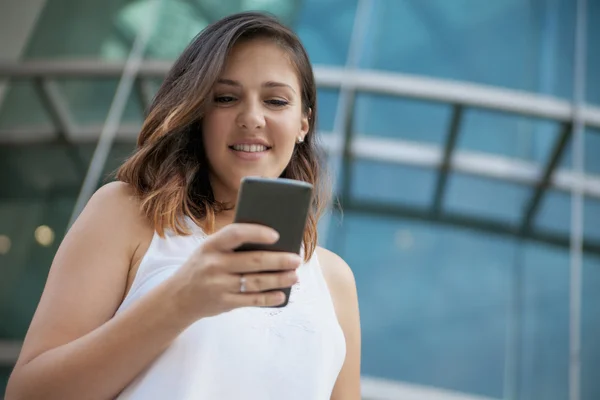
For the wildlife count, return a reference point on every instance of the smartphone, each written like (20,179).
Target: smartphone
(279,203)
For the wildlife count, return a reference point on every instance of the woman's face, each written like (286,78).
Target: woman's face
(255,118)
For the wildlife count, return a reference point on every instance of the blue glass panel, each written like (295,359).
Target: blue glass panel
(590,328)
(436,299)
(394,117)
(495,43)
(543,326)
(593,52)
(592,151)
(325,28)
(487,198)
(327,101)
(384,182)
(566,161)
(591,224)
(554,214)
(508,135)
(433,301)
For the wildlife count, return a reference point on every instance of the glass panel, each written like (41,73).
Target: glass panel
(325,28)
(554,214)
(20,107)
(81,28)
(495,44)
(592,149)
(40,184)
(487,198)
(593,52)
(508,135)
(437,298)
(433,299)
(90,101)
(327,103)
(591,220)
(543,322)
(590,327)
(413,120)
(372,180)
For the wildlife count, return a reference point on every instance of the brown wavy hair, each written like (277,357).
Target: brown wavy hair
(169,170)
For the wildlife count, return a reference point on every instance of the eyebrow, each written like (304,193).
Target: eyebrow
(269,84)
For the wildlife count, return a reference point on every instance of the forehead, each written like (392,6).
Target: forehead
(260,60)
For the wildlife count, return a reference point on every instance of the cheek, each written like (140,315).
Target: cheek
(288,130)
(212,126)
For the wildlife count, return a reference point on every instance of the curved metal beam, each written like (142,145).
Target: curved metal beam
(389,83)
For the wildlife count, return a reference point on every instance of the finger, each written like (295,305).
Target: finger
(236,234)
(254,283)
(268,299)
(255,261)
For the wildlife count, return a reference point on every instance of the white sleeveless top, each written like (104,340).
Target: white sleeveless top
(294,352)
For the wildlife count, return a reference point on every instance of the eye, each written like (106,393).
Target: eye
(277,102)
(224,99)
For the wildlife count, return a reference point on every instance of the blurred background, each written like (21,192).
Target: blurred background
(463,136)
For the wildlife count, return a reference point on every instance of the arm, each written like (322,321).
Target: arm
(77,348)
(74,347)
(342,286)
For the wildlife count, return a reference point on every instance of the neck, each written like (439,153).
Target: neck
(223,194)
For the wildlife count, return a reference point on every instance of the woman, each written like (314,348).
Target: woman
(146,299)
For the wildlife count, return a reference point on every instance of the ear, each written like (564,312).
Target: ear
(305,123)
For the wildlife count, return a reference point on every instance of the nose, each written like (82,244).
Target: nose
(251,116)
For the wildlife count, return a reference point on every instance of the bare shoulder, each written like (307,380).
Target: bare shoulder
(337,272)
(114,208)
(116,199)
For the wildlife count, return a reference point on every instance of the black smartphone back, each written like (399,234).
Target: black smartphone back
(282,204)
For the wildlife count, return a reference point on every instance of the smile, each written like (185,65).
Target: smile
(249,148)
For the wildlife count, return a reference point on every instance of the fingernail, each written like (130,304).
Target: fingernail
(274,235)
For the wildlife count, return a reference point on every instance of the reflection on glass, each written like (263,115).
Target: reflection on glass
(5,244)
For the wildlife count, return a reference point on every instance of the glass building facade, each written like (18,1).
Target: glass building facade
(464,142)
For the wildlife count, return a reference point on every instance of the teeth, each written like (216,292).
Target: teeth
(249,148)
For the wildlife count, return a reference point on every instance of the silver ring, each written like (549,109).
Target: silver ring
(242,284)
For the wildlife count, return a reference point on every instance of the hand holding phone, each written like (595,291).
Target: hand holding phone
(281,204)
